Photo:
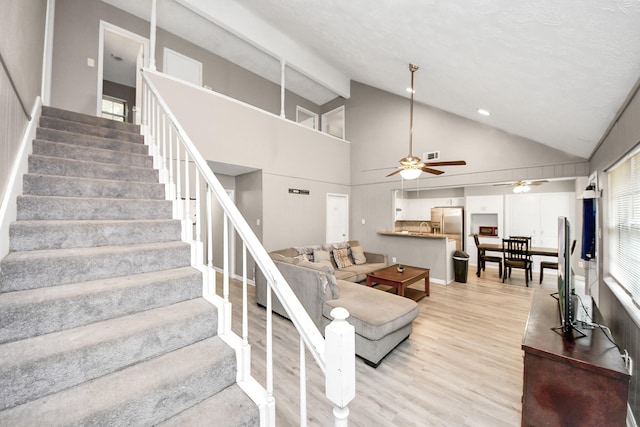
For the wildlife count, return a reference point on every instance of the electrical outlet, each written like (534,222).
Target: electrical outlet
(393,260)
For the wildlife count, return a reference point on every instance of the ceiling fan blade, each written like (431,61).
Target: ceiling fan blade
(537,182)
(449,163)
(508,184)
(433,171)
(395,172)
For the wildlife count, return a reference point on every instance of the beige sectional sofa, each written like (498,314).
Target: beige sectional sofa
(381,320)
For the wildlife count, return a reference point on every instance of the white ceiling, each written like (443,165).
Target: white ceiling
(556,72)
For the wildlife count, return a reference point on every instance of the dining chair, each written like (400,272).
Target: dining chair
(516,255)
(552,265)
(530,257)
(484,258)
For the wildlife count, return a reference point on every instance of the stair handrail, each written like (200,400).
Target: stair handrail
(340,380)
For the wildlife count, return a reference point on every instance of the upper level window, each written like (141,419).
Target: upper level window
(114,108)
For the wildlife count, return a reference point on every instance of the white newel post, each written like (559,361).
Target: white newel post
(341,364)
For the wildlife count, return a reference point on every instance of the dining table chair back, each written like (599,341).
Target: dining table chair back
(515,253)
(483,258)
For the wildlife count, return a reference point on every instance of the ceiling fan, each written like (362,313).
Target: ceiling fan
(411,166)
(521,186)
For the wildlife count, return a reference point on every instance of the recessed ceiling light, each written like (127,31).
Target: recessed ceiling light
(483,112)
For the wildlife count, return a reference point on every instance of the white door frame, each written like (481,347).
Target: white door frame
(336,196)
(106,26)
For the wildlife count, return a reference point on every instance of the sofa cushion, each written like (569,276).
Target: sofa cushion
(279,257)
(321,256)
(345,275)
(358,255)
(360,271)
(341,256)
(373,313)
(333,291)
(307,251)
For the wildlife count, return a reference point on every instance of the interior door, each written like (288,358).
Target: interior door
(337,218)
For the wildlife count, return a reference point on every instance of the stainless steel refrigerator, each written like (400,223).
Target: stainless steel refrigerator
(449,220)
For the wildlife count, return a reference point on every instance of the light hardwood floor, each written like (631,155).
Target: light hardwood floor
(461,365)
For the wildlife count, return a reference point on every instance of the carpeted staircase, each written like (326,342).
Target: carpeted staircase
(101,316)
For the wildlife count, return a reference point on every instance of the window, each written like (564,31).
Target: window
(114,108)
(624,223)
(306,118)
(333,122)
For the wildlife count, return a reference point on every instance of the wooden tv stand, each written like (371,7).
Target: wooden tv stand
(581,382)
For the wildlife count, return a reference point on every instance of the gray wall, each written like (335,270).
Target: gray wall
(624,136)
(22,25)
(249,190)
(377,126)
(289,155)
(77,27)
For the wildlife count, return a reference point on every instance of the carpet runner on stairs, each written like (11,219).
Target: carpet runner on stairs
(101,316)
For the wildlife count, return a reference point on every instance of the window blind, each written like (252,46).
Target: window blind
(624,224)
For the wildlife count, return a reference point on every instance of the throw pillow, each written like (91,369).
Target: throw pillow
(341,256)
(321,256)
(358,255)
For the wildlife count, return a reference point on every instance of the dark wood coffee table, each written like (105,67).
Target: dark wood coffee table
(390,276)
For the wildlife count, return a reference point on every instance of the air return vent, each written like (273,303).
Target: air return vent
(431,156)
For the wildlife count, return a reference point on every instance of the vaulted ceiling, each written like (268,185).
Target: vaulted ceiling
(556,72)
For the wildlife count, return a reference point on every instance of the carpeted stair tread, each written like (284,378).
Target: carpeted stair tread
(34,312)
(45,165)
(59,360)
(141,395)
(90,141)
(90,154)
(230,408)
(54,208)
(88,119)
(38,269)
(66,234)
(87,129)
(64,186)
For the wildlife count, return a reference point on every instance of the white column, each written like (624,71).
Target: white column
(152,36)
(283,64)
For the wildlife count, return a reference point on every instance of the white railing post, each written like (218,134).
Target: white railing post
(341,364)
(211,273)
(225,276)
(178,205)
(197,257)
(170,186)
(245,363)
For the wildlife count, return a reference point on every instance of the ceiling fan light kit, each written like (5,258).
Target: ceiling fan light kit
(411,167)
(521,186)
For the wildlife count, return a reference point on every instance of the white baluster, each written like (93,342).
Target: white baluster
(178,206)
(271,403)
(245,367)
(197,245)
(187,227)
(211,271)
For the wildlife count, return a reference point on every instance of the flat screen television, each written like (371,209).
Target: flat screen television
(566,285)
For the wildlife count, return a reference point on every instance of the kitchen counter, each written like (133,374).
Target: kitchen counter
(413,234)
(425,250)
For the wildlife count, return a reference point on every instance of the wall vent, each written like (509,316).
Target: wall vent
(431,156)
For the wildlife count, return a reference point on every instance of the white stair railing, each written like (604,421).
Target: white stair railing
(197,197)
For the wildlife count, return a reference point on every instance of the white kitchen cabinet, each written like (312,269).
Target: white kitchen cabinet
(536,215)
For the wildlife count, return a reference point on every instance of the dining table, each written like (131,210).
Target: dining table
(497,247)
